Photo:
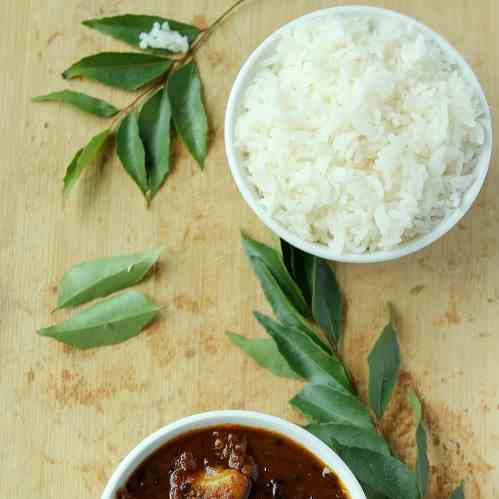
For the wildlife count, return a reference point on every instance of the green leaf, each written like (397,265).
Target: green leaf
(108,322)
(97,278)
(131,151)
(332,404)
(72,173)
(84,102)
(340,436)
(459,492)
(128,71)
(304,356)
(287,256)
(282,307)
(422,464)
(327,307)
(265,353)
(346,435)
(415,405)
(83,158)
(189,116)
(384,363)
(383,474)
(370,493)
(274,263)
(154,126)
(299,265)
(127,28)
(280,303)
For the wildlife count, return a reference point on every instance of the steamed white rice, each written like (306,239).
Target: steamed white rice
(359,133)
(162,37)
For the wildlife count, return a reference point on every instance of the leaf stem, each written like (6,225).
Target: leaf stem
(135,101)
(208,32)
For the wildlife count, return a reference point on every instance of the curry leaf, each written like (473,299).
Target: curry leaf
(265,353)
(131,151)
(72,173)
(347,435)
(304,356)
(370,493)
(287,256)
(384,363)
(415,405)
(331,404)
(110,321)
(128,71)
(326,301)
(262,261)
(422,464)
(459,492)
(83,158)
(383,474)
(97,278)
(127,28)
(154,126)
(299,265)
(189,116)
(274,263)
(84,102)
(281,305)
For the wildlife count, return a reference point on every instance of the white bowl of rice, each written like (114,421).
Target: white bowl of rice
(358,134)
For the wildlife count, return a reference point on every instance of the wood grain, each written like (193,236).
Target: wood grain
(68,417)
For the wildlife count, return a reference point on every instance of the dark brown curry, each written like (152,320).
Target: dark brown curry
(232,462)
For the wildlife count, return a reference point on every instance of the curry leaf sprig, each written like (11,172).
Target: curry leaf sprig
(114,319)
(306,299)
(170,102)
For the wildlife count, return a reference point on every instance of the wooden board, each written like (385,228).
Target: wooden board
(68,417)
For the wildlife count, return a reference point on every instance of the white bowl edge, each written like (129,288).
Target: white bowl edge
(319,249)
(244,418)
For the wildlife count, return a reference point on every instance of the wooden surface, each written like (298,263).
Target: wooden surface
(68,417)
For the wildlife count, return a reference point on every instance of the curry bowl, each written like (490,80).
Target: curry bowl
(279,429)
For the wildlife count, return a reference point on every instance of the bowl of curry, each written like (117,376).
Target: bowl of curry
(232,455)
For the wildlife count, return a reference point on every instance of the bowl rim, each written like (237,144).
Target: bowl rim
(320,249)
(238,417)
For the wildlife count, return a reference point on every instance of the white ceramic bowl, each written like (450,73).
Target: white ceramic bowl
(234,108)
(243,418)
